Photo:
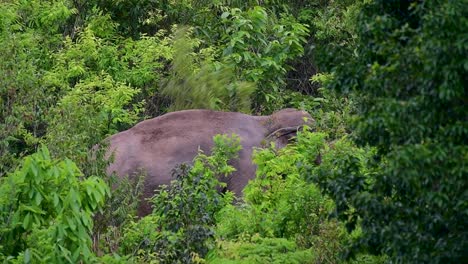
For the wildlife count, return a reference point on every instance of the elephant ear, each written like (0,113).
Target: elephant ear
(282,136)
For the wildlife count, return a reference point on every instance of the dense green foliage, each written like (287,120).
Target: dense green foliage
(284,217)
(409,71)
(280,203)
(46,211)
(380,174)
(196,81)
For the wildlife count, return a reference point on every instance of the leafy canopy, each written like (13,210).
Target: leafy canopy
(409,71)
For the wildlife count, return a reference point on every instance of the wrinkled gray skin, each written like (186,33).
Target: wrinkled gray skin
(157,145)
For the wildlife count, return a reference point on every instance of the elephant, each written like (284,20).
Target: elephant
(157,145)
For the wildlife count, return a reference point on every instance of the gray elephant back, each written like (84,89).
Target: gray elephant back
(157,145)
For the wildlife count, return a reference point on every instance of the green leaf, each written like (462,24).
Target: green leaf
(27,256)
(27,221)
(224,15)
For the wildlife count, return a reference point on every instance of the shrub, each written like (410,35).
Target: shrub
(281,203)
(46,211)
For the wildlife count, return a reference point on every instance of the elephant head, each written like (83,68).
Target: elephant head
(283,125)
(157,145)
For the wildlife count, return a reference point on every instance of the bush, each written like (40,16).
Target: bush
(280,203)
(118,212)
(46,211)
